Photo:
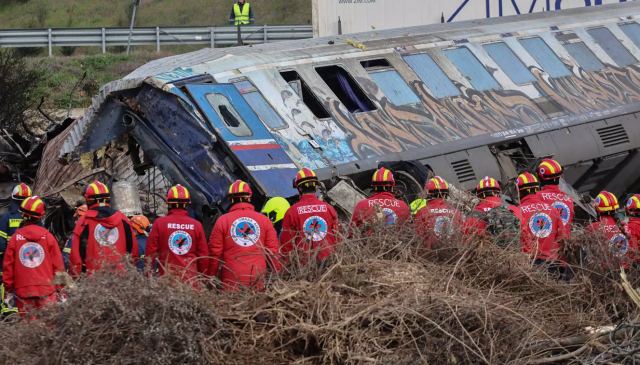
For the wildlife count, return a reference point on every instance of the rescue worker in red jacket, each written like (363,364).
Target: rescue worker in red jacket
(488,190)
(438,220)
(310,225)
(243,242)
(632,227)
(606,227)
(32,260)
(541,229)
(103,237)
(382,208)
(549,172)
(177,242)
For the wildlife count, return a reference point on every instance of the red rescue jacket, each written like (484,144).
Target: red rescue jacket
(382,207)
(477,226)
(242,242)
(541,229)
(620,244)
(102,237)
(178,243)
(552,195)
(310,225)
(437,221)
(632,229)
(31,261)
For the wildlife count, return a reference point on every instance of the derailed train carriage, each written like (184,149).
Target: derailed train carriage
(464,100)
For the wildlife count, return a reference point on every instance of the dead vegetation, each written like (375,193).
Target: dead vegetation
(381,299)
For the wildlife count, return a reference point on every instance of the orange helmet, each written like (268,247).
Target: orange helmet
(32,207)
(436,184)
(80,211)
(383,177)
(305,176)
(527,180)
(488,184)
(239,189)
(21,192)
(549,169)
(606,202)
(633,204)
(140,223)
(96,191)
(178,194)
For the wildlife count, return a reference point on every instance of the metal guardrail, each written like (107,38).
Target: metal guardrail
(158,36)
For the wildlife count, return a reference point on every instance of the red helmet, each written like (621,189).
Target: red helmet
(527,180)
(96,191)
(240,189)
(32,207)
(383,177)
(633,204)
(305,176)
(549,169)
(436,184)
(488,184)
(140,223)
(606,202)
(178,195)
(21,192)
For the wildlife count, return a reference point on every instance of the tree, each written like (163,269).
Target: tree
(18,84)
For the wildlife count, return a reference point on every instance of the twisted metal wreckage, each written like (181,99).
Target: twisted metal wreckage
(464,100)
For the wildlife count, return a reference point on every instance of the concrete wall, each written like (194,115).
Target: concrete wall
(366,15)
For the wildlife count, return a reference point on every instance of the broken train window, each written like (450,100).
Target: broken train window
(390,82)
(300,88)
(346,89)
(229,115)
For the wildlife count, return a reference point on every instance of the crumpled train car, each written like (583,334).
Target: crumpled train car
(463,100)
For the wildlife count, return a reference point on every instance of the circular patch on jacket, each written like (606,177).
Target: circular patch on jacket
(31,255)
(620,244)
(442,226)
(245,231)
(390,217)
(180,242)
(563,209)
(315,228)
(105,236)
(541,225)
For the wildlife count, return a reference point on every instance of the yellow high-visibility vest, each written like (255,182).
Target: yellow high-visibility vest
(241,17)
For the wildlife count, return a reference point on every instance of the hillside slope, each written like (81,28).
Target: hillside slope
(100,13)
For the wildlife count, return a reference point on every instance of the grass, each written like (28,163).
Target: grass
(100,13)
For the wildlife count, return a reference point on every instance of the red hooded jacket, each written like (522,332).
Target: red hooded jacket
(477,226)
(310,224)
(541,228)
(552,195)
(437,221)
(242,242)
(178,242)
(383,205)
(102,236)
(31,261)
(620,244)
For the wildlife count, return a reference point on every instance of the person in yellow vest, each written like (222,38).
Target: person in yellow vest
(241,13)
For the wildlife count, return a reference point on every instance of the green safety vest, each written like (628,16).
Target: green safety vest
(241,17)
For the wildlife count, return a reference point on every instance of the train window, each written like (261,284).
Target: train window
(583,55)
(346,89)
(301,89)
(390,82)
(632,30)
(229,115)
(612,46)
(260,105)
(509,62)
(471,68)
(546,58)
(432,76)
